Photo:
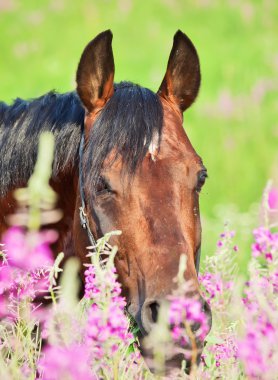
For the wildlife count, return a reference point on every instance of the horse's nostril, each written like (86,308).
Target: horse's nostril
(154,306)
(149,314)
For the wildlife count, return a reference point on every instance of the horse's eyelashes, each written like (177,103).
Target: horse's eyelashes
(103,187)
(202,176)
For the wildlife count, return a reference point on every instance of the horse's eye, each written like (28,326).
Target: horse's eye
(202,176)
(103,187)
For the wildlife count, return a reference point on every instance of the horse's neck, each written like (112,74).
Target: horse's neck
(20,128)
(66,200)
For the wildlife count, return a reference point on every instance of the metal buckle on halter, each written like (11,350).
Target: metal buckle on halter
(83,218)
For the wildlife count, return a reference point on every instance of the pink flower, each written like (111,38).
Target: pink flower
(227,350)
(71,362)
(186,310)
(266,242)
(273,199)
(268,257)
(103,327)
(5,278)
(250,353)
(107,325)
(29,250)
(214,286)
(274,281)
(3,307)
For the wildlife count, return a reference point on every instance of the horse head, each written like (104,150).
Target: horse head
(142,175)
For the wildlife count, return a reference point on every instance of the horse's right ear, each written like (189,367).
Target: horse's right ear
(95,73)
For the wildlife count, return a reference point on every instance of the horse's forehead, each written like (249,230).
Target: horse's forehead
(172,149)
(174,139)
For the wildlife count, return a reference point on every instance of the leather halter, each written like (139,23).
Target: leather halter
(84,221)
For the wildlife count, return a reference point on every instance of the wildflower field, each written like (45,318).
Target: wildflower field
(94,338)
(47,331)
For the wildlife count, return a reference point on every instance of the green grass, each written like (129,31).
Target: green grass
(237,42)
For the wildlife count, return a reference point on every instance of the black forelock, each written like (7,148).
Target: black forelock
(127,125)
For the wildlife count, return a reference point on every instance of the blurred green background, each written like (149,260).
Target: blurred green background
(233,125)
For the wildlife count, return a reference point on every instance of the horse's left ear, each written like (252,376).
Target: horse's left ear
(95,72)
(182,79)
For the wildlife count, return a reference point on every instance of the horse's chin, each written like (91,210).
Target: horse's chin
(173,362)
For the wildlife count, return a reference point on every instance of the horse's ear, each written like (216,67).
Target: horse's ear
(95,73)
(182,79)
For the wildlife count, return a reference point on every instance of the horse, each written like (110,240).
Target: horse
(122,161)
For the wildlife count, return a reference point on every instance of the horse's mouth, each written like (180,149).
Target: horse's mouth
(173,364)
(175,359)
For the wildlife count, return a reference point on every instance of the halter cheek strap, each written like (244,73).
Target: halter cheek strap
(84,221)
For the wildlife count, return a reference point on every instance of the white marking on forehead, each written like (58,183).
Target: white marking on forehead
(153,147)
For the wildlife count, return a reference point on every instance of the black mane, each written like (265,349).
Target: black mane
(20,127)
(128,123)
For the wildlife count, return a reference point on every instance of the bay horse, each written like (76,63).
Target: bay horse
(123,157)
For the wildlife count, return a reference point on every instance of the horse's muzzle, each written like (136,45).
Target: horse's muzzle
(150,311)
(147,318)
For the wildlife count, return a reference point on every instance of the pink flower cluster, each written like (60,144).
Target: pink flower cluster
(266,243)
(258,347)
(23,270)
(259,343)
(29,251)
(225,351)
(105,331)
(244,337)
(187,311)
(107,323)
(246,343)
(94,288)
(214,286)
(217,284)
(273,199)
(66,363)
(224,240)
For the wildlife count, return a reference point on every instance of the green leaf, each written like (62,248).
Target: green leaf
(208,359)
(214,339)
(130,349)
